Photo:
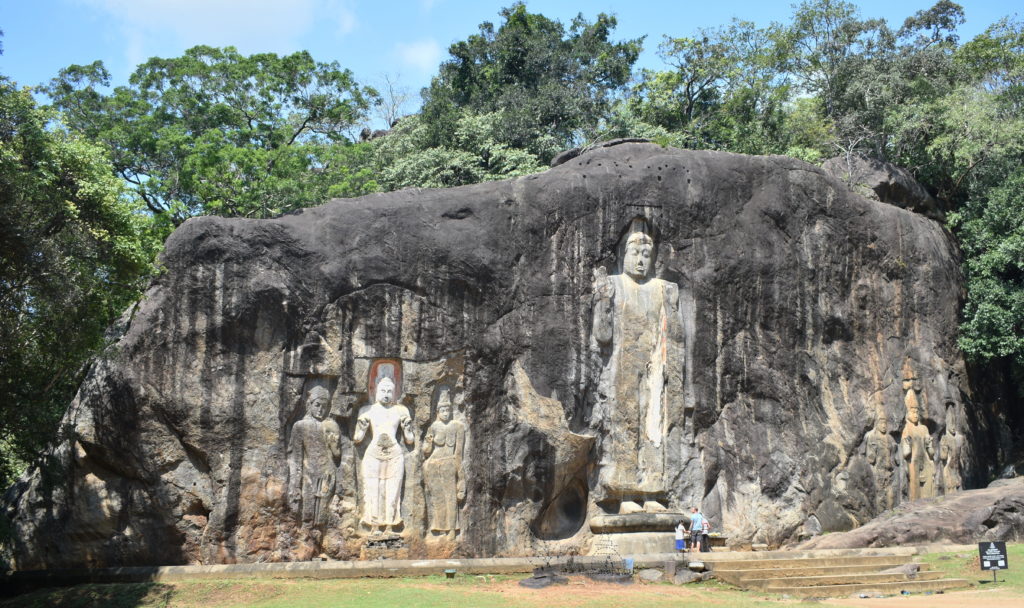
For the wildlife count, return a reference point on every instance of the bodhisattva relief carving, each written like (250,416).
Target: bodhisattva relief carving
(637,325)
(313,452)
(950,449)
(916,445)
(381,424)
(442,470)
(880,451)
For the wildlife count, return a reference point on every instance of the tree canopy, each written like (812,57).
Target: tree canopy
(547,88)
(214,131)
(75,250)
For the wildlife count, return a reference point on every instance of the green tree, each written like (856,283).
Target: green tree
(991,233)
(217,132)
(726,89)
(545,88)
(75,250)
(474,154)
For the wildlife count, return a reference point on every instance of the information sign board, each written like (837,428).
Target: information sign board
(992,556)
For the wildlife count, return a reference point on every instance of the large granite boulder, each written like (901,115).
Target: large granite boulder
(448,372)
(987,514)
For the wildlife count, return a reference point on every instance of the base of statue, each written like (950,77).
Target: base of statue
(635,533)
(384,546)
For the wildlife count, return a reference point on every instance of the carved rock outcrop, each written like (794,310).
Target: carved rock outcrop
(789,312)
(986,514)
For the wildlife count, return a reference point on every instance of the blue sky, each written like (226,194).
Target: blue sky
(404,39)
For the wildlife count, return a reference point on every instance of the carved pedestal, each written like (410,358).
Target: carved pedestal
(635,533)
(384,546)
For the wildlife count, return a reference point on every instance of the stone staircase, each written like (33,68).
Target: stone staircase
(833,574)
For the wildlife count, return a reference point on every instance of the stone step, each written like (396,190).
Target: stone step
(872,588)
(719,556)
(743,574)
(838,560)
(829,580)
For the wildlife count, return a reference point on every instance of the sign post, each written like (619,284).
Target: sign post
(992,556)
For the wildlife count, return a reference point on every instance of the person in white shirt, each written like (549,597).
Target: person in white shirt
(681,536)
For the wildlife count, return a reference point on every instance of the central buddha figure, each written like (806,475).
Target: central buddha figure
(383,465)
(638,330)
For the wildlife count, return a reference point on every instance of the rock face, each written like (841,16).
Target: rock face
(789,324)
(884,182)
(988,514)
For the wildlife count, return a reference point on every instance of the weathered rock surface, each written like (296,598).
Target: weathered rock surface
(808,315)
(650,575)
(987,514)
(685,577)
(882,181)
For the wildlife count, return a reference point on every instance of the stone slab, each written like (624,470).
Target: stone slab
(636,543)
(636,522)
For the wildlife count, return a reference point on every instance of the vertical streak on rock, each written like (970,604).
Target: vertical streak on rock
(237,418)
(719,360)
(212,337)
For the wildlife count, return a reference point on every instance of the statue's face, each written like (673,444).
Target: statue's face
(638,260)
(385,392)
(913,416)
(318,405)
(882,425)
(444,413)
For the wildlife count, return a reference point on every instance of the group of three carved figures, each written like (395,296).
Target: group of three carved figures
(917,450)
(314,452)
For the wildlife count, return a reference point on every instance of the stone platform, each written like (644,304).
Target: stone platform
(640,533)
(862,572)
(13,583)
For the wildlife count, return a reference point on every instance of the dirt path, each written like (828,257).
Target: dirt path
(989,598)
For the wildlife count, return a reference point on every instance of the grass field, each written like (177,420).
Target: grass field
(425,592)
(505,592)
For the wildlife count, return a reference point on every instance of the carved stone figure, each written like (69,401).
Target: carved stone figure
(950,448)
(442,470)
(312,471)
(880,450)
(383,465)
(637,326)
(917,446)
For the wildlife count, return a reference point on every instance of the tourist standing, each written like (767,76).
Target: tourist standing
(696,529)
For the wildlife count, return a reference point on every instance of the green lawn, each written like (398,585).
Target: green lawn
(965,565)
(426,592)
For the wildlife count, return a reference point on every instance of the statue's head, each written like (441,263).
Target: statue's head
(385,390)
(882,423)
(318,402)
(913,414)
(444,412)
(637,261)
(951,420)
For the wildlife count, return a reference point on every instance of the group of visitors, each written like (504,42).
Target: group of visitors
(699,529)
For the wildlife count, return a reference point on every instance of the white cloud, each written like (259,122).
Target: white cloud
(422,55)
(250,25)
(345,13)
